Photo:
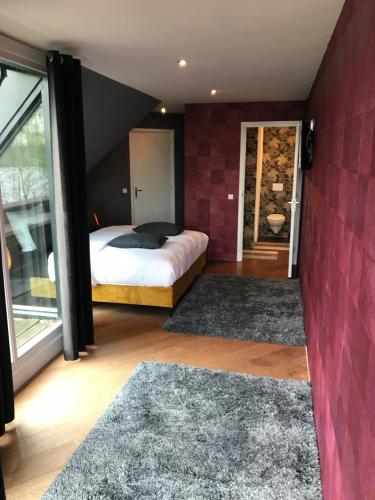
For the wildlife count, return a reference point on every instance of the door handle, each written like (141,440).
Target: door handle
(136,190)
(295,201)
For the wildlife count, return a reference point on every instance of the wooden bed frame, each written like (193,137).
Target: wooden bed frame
(124,294)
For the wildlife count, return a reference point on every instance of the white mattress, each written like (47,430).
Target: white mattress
(138,266)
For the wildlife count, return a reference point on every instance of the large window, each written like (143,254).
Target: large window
(26,206)
(23,163)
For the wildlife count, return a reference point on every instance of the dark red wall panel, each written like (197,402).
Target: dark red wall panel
(338,256)
(212,156)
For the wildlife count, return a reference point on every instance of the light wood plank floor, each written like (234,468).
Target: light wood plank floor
(57,409)
(254,267)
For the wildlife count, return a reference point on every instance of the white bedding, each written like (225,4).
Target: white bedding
(138,266)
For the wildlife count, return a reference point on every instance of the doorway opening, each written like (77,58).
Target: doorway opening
(270,191)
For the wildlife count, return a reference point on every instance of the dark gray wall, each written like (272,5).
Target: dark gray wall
(107,178)
(111,110)
(105,183)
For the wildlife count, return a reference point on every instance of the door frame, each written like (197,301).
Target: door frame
(295,215)
(172,168)
(241,190)
(22,55)
(39,351)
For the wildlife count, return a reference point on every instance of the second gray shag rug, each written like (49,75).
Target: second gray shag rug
(265,310)
(179,432)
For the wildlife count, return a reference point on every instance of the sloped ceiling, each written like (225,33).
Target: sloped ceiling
(249,50)
(111,110)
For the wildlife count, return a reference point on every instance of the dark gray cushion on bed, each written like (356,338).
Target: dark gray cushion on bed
(134,240)
(162,228)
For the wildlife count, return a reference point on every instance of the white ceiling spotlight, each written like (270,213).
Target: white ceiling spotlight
(163,110)
(182,63)
(213,92)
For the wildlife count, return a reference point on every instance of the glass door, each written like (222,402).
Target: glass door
(27,209)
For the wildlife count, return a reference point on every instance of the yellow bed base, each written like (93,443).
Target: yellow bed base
(124,294)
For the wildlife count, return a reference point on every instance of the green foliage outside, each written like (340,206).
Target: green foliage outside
(23,164)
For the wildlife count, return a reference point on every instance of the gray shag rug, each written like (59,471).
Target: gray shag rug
(179,432)
(265,310)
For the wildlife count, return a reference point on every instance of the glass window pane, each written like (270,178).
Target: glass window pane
(26,189)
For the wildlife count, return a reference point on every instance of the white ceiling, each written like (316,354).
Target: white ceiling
(249,50)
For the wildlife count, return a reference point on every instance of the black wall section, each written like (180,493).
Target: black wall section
(105,183)
(111,110)
(107,178)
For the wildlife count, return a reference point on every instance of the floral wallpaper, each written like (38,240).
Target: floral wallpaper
(278,164)
(250,182)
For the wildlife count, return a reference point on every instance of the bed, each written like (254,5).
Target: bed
(137,276)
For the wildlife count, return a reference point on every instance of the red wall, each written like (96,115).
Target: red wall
(212,156)
(338,256)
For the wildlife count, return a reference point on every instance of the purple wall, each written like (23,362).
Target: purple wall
(212,157)
(338,256)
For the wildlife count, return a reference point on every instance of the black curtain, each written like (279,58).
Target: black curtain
(6,381)
(2,487)
(69,177)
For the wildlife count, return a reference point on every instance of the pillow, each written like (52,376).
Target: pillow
(133,240)
(163,228)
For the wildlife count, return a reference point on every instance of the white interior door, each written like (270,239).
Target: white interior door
(295,204)
(152,175)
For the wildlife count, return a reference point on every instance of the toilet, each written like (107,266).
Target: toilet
(276,222)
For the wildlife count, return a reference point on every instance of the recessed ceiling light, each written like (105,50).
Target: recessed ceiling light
(182,63)
(213,92)
(163,110)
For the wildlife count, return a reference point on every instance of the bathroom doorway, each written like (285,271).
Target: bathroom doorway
(270,191)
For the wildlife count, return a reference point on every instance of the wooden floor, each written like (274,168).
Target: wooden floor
(253,267)
(57,409)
